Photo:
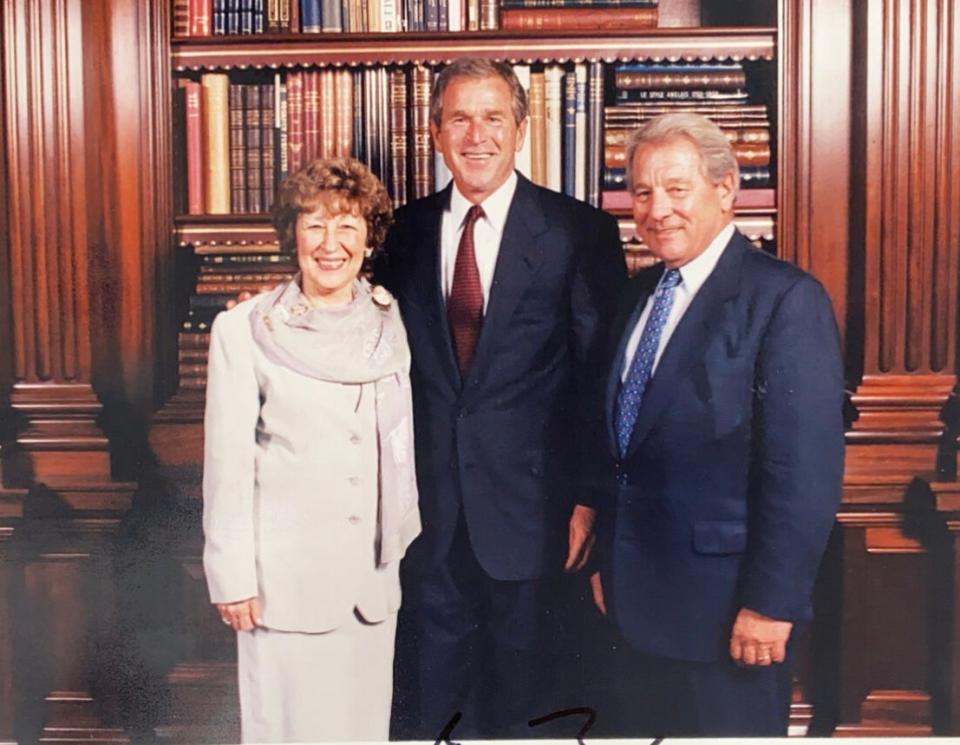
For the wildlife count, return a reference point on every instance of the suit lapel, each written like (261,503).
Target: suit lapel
(428,284)
(689,339)
(626,321)
(521,253)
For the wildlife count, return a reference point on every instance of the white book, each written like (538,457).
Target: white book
(523,157)
(388,15)
(580,140)
(455,15)
(554,113)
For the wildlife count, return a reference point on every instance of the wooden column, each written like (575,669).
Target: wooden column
(907,229)
(813,151)
(47,137)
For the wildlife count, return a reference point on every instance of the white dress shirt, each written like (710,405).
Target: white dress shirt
(694,273)
(487,234)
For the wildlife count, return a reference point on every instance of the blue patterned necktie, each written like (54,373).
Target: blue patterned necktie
(631,394)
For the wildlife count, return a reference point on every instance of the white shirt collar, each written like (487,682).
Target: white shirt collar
(696,271)
(495,206)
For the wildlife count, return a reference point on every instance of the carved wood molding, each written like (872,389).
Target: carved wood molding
(910,145)
(814,129)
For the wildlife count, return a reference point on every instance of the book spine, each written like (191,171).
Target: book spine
(389,17)
(268,144)
(569,133)
(193,355)
(634,95)
(443,15)
(259,17)
(290,21)
(369,141)
(374,17)
(221,277)
(398,137)
(218,17)
(383,121)
(217,260)
(327,119)
(295,124)
(216,144)
(431,15)
(181,18)
(455,11)
(594,131)
(343,110)
(554,127)
(235,288)
(598,4)
(238,150)
(422,153)
(193,340)
(274,25)
(473,15)
(732,80)
(246,17)
(280,127)
(537,129)
(332,16)
(580,73)
(522,161)
(311,115)
(311,19)
(201,16)
(577,19)
(233,17)
(357,146)
(489,15)
(195,148)
(252,110)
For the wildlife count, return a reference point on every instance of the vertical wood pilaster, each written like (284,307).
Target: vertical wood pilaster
(908,141)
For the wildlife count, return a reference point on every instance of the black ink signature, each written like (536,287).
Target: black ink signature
(591,717)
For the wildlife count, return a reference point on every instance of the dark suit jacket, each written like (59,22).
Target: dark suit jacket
(729,488)
(503,445)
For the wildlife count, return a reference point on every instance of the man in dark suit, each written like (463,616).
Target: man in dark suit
(505,289)
(725,429)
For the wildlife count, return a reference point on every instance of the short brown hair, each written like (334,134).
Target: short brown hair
(478,68)
(342,185)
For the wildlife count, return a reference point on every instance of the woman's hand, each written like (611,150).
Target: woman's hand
(244,615)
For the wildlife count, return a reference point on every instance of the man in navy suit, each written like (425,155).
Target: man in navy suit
(725,432)
(505,289)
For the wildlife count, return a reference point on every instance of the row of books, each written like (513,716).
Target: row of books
(236,140)
(203,18)
(717,90)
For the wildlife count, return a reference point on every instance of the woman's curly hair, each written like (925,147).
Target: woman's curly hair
(339,184)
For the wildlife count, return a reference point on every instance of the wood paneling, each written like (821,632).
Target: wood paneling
(907,225)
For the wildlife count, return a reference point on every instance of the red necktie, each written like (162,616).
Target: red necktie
(465,303)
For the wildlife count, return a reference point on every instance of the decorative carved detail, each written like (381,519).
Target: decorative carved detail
(371,49)
(813,163)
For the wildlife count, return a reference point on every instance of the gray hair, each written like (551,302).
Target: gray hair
(478,68)
(703,134)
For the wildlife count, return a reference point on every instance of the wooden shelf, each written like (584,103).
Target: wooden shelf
(271,51)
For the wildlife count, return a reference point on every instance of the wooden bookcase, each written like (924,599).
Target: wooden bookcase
(100,455)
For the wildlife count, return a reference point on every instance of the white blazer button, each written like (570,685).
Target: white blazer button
(353,519)
(355,439)
(354,480)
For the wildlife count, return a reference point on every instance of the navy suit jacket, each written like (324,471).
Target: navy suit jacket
(728,491)
(505,444)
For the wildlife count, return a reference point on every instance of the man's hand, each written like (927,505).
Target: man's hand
(243,615)
(757,639)
(596,589)
(581,538)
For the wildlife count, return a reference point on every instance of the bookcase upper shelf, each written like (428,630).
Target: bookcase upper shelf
(276,51)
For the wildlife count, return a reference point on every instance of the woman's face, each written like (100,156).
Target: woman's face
(330,251)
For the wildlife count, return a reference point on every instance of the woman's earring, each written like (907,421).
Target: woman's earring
(368,252)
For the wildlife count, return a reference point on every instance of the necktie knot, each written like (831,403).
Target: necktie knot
(473,214)
(671,279)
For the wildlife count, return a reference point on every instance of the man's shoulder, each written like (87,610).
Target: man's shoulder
(764,270)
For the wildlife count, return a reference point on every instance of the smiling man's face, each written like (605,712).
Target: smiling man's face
(478,135)
(677,209)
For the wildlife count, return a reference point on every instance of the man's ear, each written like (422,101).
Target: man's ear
(727,189)
(435,135)
(522,132)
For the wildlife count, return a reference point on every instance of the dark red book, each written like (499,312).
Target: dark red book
(311,115)
(295,124)
(194,146)
(577,19)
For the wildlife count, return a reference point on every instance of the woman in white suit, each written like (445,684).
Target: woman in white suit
(309,487)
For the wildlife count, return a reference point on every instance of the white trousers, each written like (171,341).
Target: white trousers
(334,686)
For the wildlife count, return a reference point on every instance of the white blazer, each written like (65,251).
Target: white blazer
(290,489)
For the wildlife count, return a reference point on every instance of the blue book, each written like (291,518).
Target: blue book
(233,17)
(678,67)
(431,15)
(246,16)
(569,133)
(219,20)
(310,19)
(259,22)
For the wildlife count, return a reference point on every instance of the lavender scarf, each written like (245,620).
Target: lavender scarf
(361,342)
